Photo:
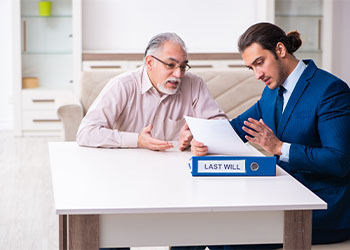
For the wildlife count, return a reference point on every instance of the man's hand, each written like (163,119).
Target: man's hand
(146,140)
(185,137)
(262,136)
(198,148)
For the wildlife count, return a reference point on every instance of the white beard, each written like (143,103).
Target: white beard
(169,91)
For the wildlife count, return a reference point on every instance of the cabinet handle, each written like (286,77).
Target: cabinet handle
(105,66)
(46,120)
(43,100)
(202,66)
(24,36)
(236,65)
(319,33)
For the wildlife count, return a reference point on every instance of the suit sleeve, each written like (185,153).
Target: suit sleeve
(237,123)
(333,157)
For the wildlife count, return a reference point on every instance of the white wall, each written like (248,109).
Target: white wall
(340,47)
(6,65)
(121,26)
(341,39)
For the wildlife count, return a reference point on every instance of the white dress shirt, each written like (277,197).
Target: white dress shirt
(129,103)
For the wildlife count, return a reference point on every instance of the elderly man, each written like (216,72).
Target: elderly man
(145,108)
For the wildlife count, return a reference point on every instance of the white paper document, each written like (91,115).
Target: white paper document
(219,137)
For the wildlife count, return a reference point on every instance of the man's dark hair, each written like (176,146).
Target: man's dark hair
(268,35)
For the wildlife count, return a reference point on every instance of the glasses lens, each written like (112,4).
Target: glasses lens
(170,65)
(184,67)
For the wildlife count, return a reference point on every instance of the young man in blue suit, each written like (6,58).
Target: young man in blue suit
(303,118)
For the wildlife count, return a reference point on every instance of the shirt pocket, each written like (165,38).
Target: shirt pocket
(172,128)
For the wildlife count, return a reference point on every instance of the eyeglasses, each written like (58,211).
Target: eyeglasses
(172,66)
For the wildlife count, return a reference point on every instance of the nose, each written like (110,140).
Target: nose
(178,73)
(258,74)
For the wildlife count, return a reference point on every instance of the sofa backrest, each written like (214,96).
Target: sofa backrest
(234,89)
(91,84)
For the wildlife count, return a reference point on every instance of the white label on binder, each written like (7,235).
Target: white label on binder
(229,166)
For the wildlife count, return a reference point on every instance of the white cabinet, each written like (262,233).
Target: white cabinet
(114,34)
(38,111)
(305,16)
(45,54)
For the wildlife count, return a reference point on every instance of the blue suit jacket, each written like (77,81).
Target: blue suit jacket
(316,121)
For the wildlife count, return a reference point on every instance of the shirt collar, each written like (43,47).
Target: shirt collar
(146,84)
(145,81)
(293,78)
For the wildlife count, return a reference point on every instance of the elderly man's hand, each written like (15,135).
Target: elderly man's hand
(262,135)
(198,148)
(185,137)
(146,140)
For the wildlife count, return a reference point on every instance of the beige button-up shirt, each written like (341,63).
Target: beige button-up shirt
(129,102)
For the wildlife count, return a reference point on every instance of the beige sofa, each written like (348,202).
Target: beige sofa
(234,89)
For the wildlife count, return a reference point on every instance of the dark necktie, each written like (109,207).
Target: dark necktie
(279,105)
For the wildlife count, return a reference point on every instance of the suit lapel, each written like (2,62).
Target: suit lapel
(298,91)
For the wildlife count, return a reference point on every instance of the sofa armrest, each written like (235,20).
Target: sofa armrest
(70,112)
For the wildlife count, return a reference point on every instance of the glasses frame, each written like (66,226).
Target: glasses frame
(169,65)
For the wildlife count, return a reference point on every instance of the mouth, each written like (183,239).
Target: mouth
(267,80)
(172,83)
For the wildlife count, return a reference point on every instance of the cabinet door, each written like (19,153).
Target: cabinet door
(46,35)
(52,70)
(309,28)
(307,18)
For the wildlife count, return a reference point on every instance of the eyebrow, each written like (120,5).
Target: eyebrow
(177,61)
(254,62)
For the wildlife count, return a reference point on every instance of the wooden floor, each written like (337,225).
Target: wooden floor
(27,217)
(28,220)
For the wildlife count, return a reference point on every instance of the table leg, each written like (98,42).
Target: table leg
(297,230)
(63,237)
(83,232)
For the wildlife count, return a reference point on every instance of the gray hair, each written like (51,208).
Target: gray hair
(156,43)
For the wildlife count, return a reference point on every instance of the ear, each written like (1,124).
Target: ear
(281,50)
(149,62)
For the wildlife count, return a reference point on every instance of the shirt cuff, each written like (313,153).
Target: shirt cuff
(129,140)
(285,152)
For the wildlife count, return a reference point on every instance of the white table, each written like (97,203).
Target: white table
(138,197)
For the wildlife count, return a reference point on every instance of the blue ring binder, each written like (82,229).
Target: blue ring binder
(233,165)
